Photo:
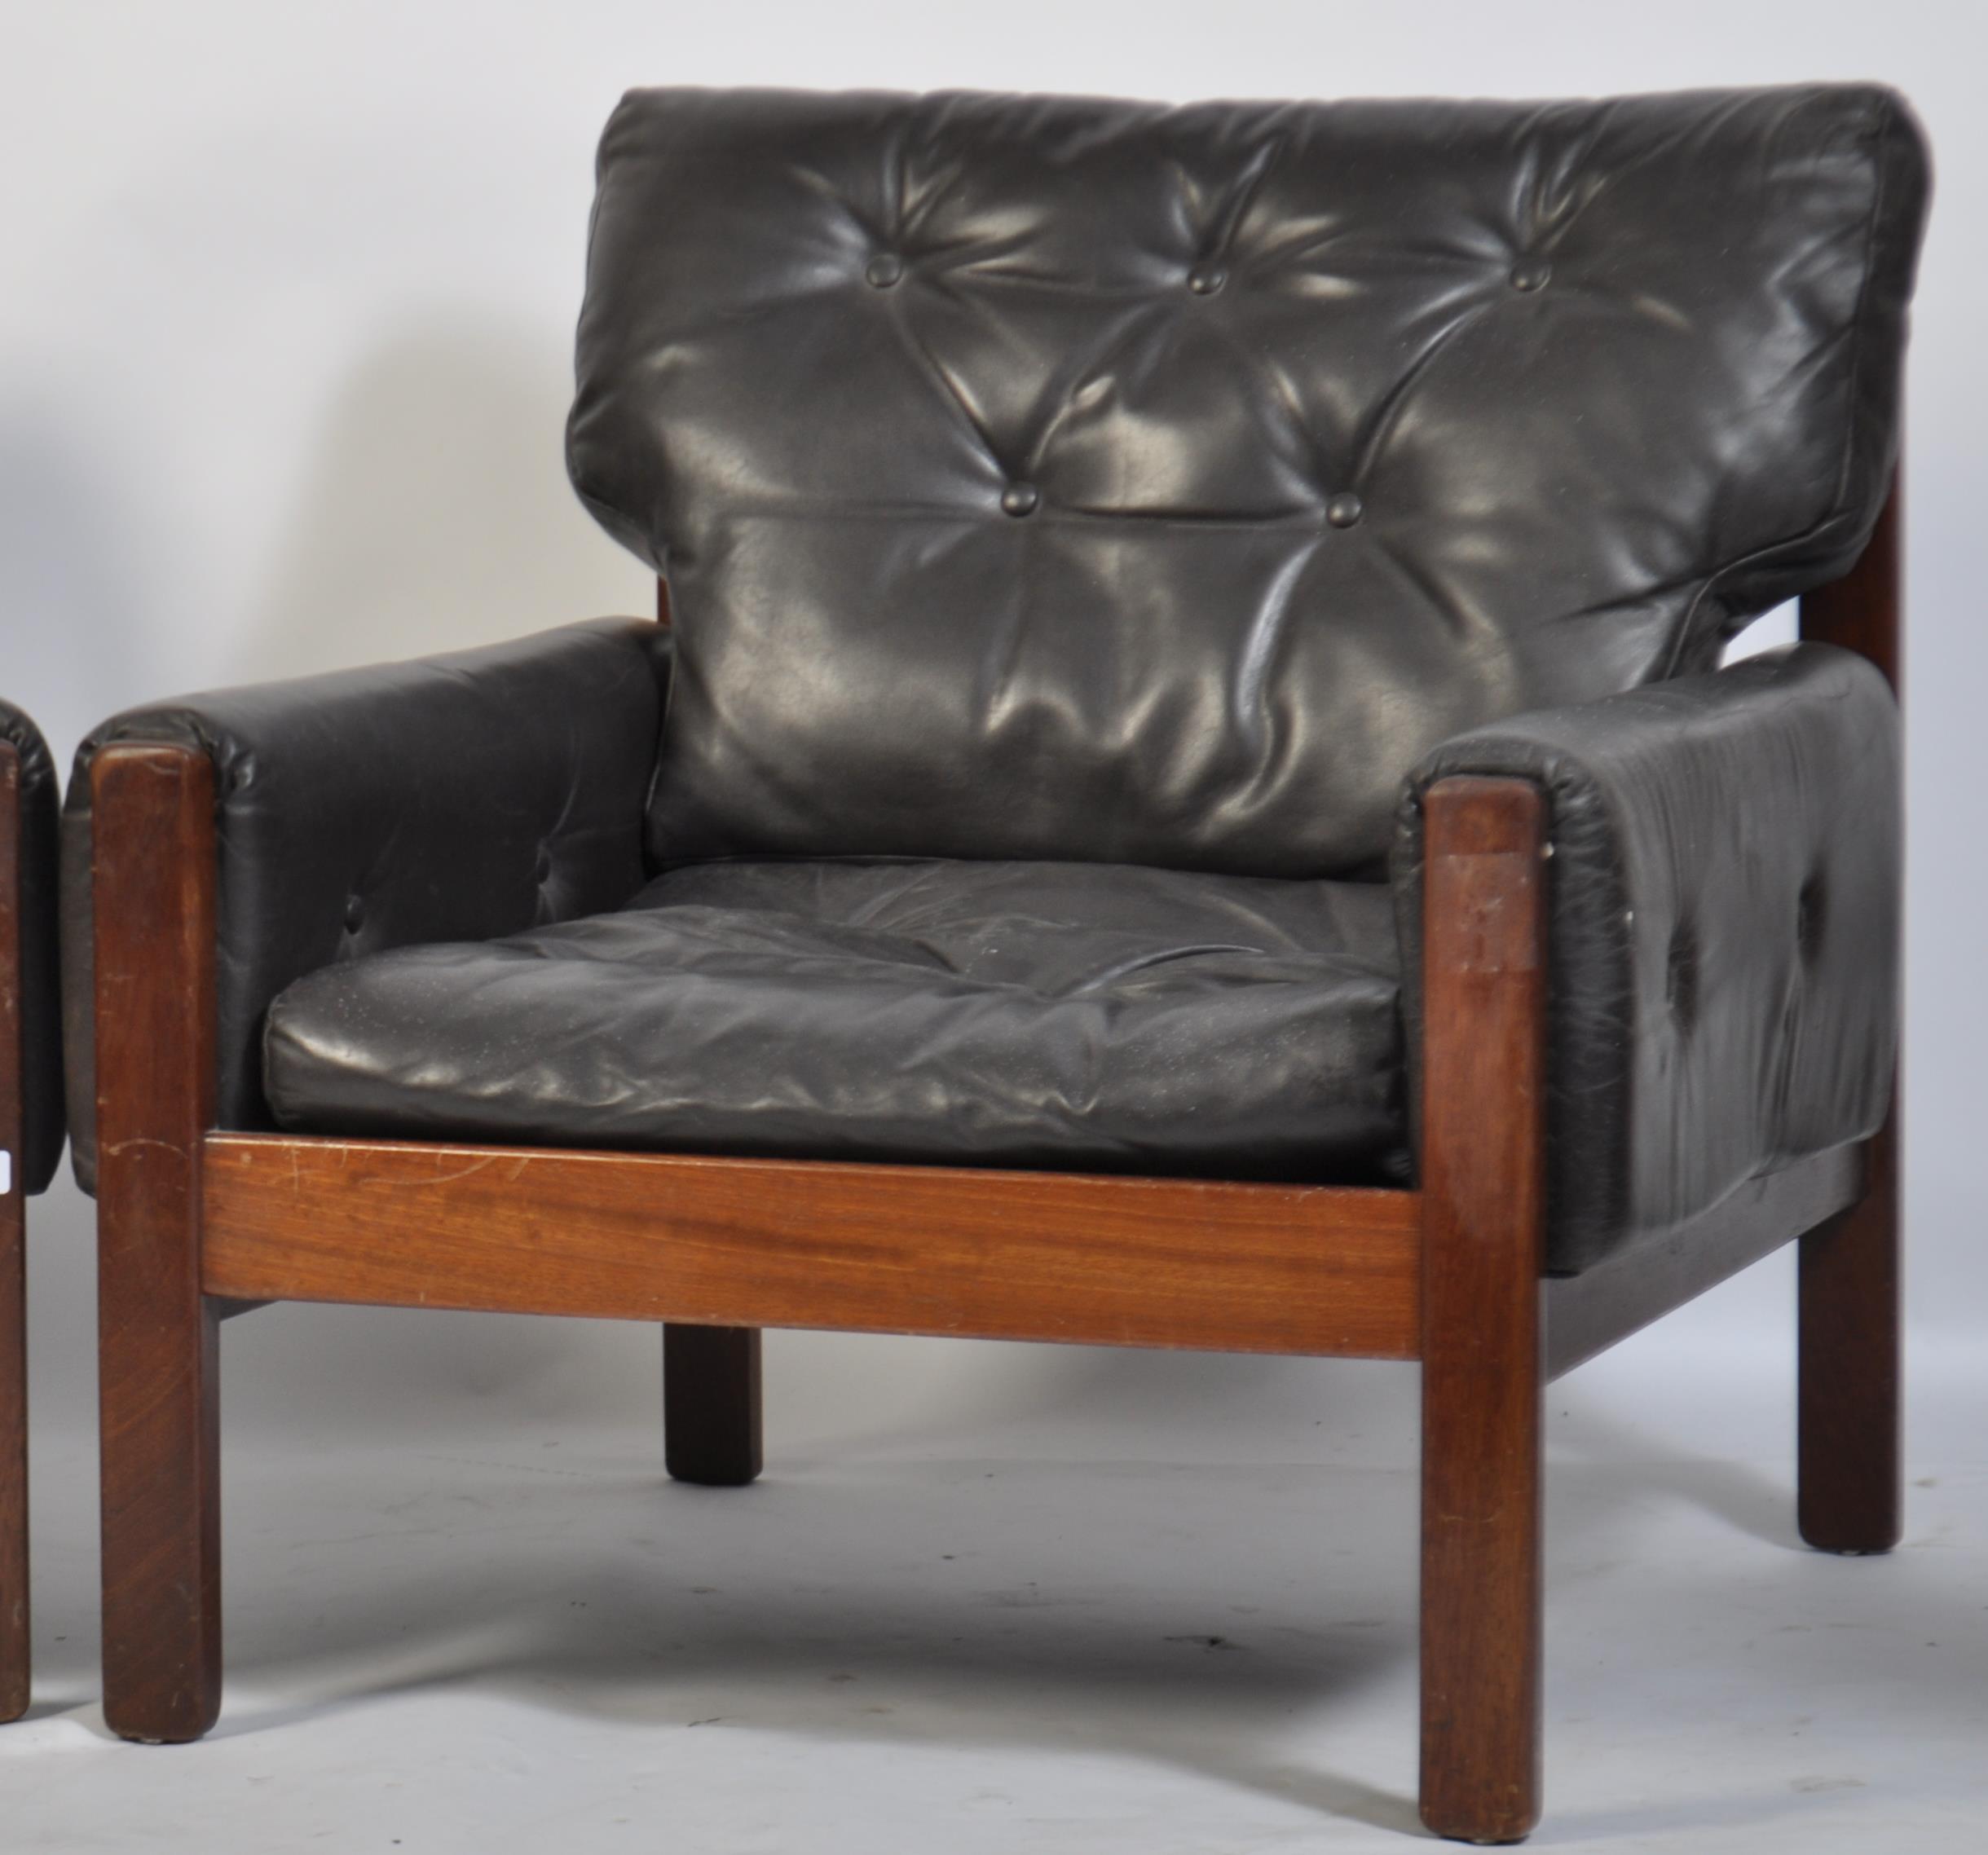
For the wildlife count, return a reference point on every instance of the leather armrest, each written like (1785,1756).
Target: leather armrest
(1724,930)
(458,797)
(41,1029)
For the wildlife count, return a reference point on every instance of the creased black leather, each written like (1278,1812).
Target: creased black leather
(1723,937)
(473,794)
(1020,1014)
(40,987)
(1045,477)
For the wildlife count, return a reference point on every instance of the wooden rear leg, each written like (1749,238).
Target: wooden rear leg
(1849,1472)
(711,1404)
(1847,1452)
(1483,1202)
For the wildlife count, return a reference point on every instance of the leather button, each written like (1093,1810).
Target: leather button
(1810,914)
(354,914)
(885,269)
(1345,510)
(1680,975)
(541,871)
(1019,498)
(1204,279)
(1530,273)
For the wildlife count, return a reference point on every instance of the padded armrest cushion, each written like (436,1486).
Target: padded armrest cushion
(1725,932)
(41,1023)
(451,797)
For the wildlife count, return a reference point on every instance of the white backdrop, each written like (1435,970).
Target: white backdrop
(284,357)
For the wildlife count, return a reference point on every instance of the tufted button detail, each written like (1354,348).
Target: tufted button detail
(541,871)
(1019,498)
(355,913)
(1345,510)
(885,269)
(1530,273)
(1204,279)
(1811,911)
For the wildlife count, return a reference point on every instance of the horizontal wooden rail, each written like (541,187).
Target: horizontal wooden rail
(773,1242)
(1589,1313)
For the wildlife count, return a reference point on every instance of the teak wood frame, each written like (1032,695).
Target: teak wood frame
(195,1223)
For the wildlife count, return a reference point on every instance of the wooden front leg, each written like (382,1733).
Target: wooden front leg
(711,1404)
(14,1655)
(1484,1182)
(153,884)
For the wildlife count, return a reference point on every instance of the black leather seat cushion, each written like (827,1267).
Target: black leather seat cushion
(1015,1014)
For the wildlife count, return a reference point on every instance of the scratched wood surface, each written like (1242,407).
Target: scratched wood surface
(765,1243)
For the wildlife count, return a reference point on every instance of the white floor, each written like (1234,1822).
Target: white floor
(1156,1618)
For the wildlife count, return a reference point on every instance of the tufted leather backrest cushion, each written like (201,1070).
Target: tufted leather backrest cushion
(1039,477)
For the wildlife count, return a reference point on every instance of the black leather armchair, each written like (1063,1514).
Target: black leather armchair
(1188,800)
(30,1133)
